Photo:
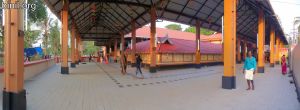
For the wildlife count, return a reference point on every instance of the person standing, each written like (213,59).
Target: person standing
(283,65)
(138,65)
(90,58)
(249,70)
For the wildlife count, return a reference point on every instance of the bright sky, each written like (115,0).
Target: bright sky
(287,10)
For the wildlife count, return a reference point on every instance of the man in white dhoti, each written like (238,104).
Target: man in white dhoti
(249,70)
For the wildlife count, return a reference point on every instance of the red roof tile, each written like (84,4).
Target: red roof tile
(144,32)
(180,46)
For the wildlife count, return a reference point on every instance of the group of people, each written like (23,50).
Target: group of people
(250,69)
(138,64)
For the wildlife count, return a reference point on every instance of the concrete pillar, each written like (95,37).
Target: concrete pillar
(245,49)
(122,48)
(76,49)
(79,48)
(152,41)
(261,42)
(133,50)
(197,53)
(228,78)
(73,34)
(64,46)
(115,50)
(272,42)
(277,58)
(238,51)
(14,94)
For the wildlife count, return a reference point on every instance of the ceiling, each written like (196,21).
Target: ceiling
(115,16)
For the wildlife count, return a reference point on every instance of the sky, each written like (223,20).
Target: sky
(287,10)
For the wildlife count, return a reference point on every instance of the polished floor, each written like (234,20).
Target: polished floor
(94,86)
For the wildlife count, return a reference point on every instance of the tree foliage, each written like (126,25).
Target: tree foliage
(31,36)
(203,31)
(90,48)
(174,27)
(54,40)
(40,12)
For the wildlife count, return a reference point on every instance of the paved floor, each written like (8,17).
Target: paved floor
(102,87)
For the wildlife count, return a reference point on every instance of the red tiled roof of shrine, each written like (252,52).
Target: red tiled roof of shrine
(179,46)
(144,32)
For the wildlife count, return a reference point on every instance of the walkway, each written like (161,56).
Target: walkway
(102,87)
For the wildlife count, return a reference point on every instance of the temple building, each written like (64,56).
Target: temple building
(176,47)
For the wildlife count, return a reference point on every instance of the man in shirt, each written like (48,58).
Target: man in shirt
(249,70)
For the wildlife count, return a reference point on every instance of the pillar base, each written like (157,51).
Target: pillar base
(14,101)
(73,65)
(261,69)
(271,64)
(64,70)
(152,69)
(198,66)
(228,82)
(277,62)
(133,65)
(238,62)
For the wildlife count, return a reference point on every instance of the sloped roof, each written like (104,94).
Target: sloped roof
(115,16)
(180,46)
(144,32)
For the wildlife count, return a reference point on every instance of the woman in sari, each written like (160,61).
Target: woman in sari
(283,65)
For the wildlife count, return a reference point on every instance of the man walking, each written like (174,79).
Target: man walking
(138,65)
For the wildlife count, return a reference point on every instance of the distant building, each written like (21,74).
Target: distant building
(177,47)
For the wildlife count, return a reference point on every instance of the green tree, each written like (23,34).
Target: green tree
(40,12)
(191,29)
(54,40)
(90,48)
(174,27)
(203,31)
(31,36)
(45,24)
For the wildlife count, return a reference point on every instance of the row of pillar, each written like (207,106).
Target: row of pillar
(14,94)
(228,79)
(76,42)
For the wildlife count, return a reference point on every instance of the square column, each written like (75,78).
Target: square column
(64,45)
(14,94)
(228,78)
(79,48)
(73,63)
(261,42)
(238,51)
(197,53)
(122,48)
(152,41)
(115,50)
(245,49)
(272,42)
(76,49)
(277,58)
(133,48)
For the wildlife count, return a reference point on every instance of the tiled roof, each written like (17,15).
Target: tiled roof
(180,46)
(144,32)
